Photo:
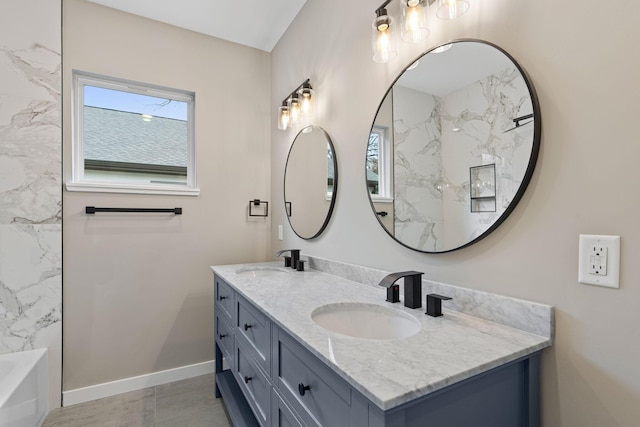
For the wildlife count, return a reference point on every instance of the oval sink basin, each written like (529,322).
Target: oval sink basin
(261,272)
(365,321)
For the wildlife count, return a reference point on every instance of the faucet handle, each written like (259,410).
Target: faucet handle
(434,304)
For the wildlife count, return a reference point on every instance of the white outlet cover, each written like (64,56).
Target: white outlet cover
(612,244)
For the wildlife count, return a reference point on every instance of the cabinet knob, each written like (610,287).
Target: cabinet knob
(247,379)
(222,335)
(247,326)
(222,297)
(302,389)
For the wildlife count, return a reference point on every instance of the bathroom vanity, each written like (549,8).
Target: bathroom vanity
(277,366)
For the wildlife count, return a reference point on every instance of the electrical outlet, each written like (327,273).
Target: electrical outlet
(599,260)
(280,232)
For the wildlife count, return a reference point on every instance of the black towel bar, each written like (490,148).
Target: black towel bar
(92,209)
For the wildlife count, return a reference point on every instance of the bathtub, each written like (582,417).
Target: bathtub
(24,390)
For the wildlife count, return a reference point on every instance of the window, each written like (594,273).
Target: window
(379,164)
(132,137)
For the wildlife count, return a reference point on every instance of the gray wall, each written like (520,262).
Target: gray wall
(581,60)
(30,179)
(138,291)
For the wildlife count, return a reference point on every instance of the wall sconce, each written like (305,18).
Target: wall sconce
(298,104)
(413,24)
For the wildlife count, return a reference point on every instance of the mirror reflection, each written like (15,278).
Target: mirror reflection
(310,182)
(452,147)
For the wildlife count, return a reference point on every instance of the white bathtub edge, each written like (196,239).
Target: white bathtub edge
(98,391)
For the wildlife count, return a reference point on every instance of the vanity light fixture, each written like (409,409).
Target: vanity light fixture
(413,24)
(299,103)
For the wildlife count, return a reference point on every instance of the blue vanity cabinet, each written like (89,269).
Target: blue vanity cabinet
(274,380)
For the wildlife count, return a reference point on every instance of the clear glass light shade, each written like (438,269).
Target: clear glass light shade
(306,100)
(384,44)
(283,117)
(451,9)
(295,108)
(414,20)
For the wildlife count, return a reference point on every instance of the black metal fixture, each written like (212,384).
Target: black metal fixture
(298,103)
(412,288)
(517,121)
(90,210)
(256,203)
(293,260)
(434,304)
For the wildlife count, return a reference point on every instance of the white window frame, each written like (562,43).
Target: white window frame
(384,165)
(78,181)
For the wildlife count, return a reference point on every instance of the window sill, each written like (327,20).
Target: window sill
(379,199)
(130,189)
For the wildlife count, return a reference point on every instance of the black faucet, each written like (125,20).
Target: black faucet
(293,260)
(434,304)
(412,288)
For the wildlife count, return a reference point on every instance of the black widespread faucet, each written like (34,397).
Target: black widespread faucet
(292,261)
(412,288)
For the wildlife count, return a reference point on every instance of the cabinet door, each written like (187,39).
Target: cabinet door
(224,298)
(254,327)
(281,414)
(224,338)
(253,383)
(315,392)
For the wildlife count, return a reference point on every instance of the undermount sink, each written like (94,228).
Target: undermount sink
(365,321)
(262,272)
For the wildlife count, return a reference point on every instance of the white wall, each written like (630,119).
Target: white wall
(138,291)
(582,60)
(30,199)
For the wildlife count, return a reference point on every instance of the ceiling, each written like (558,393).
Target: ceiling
(254,23)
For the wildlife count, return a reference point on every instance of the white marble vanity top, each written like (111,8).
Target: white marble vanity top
(446,350)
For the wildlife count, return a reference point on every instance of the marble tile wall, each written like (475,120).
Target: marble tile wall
(30,181)
(462,129)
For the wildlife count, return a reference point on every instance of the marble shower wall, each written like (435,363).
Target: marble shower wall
(30,181)
(462,129)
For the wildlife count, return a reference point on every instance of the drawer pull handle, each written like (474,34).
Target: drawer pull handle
(247,379)
(302,389)
(247,326)
(222,335)
(222,297)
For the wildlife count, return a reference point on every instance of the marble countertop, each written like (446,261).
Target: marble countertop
(446,350)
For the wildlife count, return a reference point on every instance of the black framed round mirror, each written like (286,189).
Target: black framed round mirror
(310,182)
(453,146)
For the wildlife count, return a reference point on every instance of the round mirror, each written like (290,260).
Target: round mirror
(452,147)
(310,182)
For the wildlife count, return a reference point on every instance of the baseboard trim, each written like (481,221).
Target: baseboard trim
(98,391)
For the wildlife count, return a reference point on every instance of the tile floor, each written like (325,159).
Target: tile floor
(187,403)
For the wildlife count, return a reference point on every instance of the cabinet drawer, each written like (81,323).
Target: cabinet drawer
(224,338)
(317,394)
(253,383)
(225,296)
(281,414)
(256,329)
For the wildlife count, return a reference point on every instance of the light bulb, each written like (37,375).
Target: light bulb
(383,43)
(294,108)
(283,116)
(414,20)
(452,9)
(306,99)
